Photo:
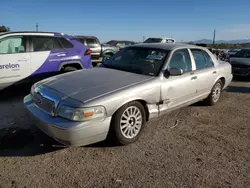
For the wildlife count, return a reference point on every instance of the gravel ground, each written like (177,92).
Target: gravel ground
(195,146)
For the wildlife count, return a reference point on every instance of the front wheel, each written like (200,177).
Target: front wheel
(215,94)
(128,122)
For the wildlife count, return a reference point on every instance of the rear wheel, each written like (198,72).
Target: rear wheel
(215,94)
(127,123)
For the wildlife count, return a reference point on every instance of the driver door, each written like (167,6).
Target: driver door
(14,60)
(178,91)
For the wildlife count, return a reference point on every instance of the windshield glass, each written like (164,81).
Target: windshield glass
(153,40)
(146,61)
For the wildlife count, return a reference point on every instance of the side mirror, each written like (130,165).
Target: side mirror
(175,72)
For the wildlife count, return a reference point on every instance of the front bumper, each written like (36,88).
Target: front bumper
(68,132)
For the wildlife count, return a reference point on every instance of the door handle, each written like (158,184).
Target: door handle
(214,72)
(194,78)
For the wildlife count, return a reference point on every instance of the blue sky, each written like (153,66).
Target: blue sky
(132,19)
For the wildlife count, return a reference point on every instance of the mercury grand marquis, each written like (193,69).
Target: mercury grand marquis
(115,100)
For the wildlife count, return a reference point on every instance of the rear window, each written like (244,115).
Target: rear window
(65,43)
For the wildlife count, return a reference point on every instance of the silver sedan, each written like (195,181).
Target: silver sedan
(138,83)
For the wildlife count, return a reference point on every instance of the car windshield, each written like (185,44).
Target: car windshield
(146,61)
(153,40)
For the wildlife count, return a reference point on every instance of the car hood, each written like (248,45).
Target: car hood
(86,85)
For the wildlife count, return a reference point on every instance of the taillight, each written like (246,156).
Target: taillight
(88,52)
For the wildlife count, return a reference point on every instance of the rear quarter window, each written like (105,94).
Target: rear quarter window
(65,43)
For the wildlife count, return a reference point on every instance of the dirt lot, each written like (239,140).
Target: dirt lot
(192,147)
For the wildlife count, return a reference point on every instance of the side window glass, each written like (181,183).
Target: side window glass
(13,45)
(41,43)
(199,59)
(91,42)
(181,60)
(209,61)
(66,44)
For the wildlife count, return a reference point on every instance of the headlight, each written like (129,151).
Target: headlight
(81,114)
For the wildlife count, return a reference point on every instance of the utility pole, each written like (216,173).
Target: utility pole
(143,38)
(36,27)
(214,37)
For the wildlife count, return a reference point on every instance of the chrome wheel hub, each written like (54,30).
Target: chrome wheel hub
(131,122)
(216,92)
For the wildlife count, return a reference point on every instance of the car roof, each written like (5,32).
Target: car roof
(32,32)
(166,46)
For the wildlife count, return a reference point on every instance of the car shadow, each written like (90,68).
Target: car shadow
(238,89)
(16,142)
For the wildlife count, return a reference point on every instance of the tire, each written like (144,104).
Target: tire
(215,94)
(69,69)
(124,130)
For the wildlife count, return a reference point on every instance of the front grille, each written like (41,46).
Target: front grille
(43,103)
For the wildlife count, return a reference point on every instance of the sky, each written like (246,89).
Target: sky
(184,20)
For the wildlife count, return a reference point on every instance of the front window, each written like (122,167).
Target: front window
(181,60)
(11,45)
(146,61)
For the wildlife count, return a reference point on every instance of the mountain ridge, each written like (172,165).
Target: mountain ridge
(209,41)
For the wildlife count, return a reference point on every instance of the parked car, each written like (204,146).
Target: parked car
(159,40)
(98,50)
(232,52)
(120,43)
(138,83)
(27,54)
(241,63)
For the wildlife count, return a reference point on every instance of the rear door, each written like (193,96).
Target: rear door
(205,72)
(14,60)
(47,53)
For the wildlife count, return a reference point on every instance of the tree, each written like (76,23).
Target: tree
(4,29)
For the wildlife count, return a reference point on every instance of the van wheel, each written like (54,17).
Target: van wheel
(69,69)
(127,123)
(215,94)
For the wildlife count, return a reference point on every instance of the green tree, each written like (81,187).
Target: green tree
(4,29)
